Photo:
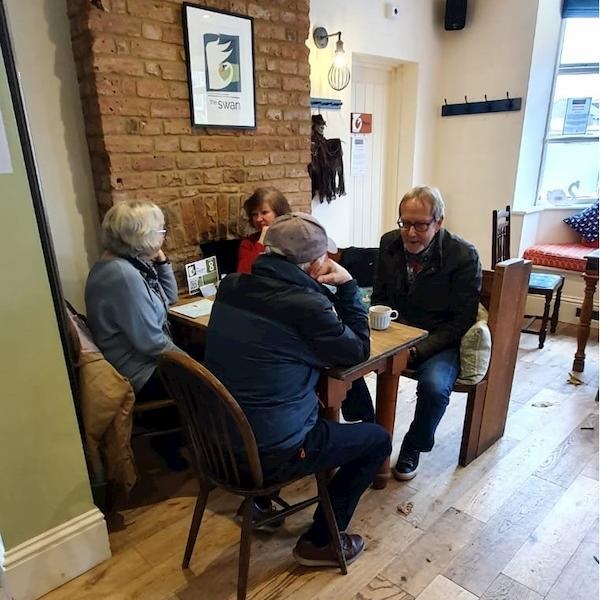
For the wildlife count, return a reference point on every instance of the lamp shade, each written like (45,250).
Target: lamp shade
(339,73)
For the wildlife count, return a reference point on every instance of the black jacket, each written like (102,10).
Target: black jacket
(443,298)
(269,335)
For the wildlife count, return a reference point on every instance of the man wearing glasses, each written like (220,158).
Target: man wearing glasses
(432,278)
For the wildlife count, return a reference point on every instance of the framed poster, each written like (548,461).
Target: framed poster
(220,67)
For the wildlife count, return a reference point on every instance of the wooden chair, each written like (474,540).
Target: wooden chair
(503,293)
(225,455)
(547,285)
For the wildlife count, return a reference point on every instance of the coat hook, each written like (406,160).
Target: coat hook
(466,101)
(445,102)
(507,96)
(485,96)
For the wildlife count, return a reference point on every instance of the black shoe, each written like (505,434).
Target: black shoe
(169,449)
(407,465)
(309,555)
(258,513)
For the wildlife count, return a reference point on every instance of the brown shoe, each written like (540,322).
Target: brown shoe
(309,555)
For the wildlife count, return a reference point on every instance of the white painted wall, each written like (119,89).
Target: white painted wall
(414,43)
(42,45)
(476,156)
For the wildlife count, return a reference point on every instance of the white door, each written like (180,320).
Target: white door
(371,93)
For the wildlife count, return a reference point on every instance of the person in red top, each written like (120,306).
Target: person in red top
(262,208)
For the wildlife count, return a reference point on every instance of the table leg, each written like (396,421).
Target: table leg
(585,318)
(385,409)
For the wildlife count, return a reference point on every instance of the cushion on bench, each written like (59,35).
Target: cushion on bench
(570,257)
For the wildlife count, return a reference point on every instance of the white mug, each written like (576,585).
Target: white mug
(381,316)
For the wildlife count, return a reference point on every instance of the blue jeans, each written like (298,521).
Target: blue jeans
(358,449)
(435,377)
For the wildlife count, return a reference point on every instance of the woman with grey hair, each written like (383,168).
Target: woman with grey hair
(127,295)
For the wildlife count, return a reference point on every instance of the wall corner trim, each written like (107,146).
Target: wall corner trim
(54,557)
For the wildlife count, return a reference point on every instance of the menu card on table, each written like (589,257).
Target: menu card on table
(201,272)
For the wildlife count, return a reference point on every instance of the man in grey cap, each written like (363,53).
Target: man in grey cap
(270,334)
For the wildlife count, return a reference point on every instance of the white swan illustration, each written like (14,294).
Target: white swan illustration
(220,72)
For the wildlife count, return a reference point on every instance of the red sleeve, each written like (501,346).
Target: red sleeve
(248,253)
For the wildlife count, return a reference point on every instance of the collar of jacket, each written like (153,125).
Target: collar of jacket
(437,254)
(280,268)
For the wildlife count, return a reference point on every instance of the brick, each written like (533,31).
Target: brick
(230,160)
(269,31)
(262,12)
(119,162)
(256,159)
(190,144)
(224,144)
(178,90)
(153,163)
(296,114)
(173,71)
(296,171)
(149,9)
(115,25)
(295,83)
(171,179)
(172,34)
(194,178)
(274,114)
(150,49)
(150,88)
(238,6)
(269,80)
(180,126)
(123,47)
(268,143)
(166,143)
(133,181)
(123,106)
(278,158)
(152,31)
(213,176)
(287,185)
(170,108)
(104,45)
(188,220)
(118,65)
(113,85)
(195,161)
(127,143)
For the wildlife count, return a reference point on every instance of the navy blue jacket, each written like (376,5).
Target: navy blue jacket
(444,297)
(269,335)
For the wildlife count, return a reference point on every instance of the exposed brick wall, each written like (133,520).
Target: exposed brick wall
(131,69)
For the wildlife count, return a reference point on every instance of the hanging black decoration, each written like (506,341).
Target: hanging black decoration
(326,168)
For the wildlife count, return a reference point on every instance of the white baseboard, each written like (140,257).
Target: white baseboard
(52,558)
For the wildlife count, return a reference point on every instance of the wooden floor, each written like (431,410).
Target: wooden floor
(519,523)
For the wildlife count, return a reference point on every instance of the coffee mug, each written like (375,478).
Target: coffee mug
(381,316)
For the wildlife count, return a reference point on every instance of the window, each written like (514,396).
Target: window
(569,173)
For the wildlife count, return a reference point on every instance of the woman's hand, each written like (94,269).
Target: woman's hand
(263,233)
(325,270)
(160,256)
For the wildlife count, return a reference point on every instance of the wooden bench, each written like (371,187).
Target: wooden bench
(503,293)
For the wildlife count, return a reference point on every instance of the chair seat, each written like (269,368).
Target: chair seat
(540,283)
(570,257)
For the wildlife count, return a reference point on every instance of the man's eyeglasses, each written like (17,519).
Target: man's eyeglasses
(420,226)
(160,231)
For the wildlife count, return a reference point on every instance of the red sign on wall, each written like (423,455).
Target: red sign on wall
(360,122)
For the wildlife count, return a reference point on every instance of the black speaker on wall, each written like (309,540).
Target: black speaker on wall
(456,14)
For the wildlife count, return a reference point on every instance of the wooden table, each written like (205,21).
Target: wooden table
(585,316)
(389,354)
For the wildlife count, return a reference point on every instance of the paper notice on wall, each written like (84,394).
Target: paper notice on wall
(358,155)
(576,116)
(5,162)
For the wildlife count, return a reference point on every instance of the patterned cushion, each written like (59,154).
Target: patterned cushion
(585,223)
(569,257)
(475,350)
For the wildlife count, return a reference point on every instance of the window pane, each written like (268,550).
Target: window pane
(580,41)
(574,86)
(564,165)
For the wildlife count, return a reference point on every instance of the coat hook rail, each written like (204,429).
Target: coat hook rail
(468,107)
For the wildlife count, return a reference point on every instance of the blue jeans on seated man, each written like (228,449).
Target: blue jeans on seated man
(358,449)
(358,404)
(435,377)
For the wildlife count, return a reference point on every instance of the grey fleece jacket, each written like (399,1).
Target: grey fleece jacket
(127,318)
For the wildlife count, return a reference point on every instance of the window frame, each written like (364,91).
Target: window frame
(560,69)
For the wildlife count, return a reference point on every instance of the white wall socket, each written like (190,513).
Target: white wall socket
(392,11)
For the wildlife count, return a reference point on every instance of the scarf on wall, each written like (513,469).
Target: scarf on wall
(326,168)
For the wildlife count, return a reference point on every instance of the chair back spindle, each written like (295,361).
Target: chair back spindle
(500,235)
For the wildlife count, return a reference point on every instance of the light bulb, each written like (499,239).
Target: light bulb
(339,73)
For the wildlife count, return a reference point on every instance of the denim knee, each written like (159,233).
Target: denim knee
(434,391)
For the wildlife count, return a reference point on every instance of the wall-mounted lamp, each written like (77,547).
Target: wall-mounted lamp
(339,73)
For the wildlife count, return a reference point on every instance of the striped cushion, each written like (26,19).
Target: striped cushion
(570,257)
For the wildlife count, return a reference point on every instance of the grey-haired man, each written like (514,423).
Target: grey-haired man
(270,334)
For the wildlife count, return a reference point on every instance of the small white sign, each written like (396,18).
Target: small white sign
(5,162)
(201,273)
(576,116)
(358,157)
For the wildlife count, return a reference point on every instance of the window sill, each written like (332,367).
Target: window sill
(549,208)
